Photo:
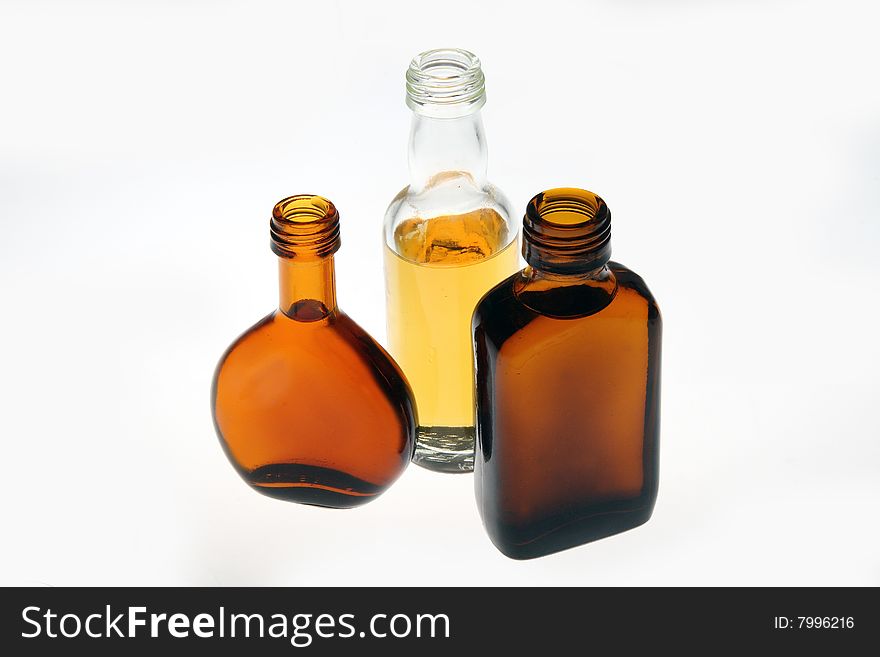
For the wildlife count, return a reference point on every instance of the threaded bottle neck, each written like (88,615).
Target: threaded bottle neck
(305,235)
(567,231)
(304,227)
(445,83)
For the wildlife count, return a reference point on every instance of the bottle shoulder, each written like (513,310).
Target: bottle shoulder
(334,342)
(506,309)
(448,222)
(327,364)
(449,196)
(634,285)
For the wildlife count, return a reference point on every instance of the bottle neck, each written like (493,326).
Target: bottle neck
(567,231)
(443,148)
(307,288)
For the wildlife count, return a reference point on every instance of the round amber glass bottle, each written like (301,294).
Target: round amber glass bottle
(308,407)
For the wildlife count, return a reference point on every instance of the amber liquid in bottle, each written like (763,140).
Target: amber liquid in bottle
(441,268)
(568,385)
(308,407)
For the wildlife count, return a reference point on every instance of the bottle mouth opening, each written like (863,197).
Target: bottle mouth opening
(566,230)
(445,83)
(304,226)
(567,206)
(304,208)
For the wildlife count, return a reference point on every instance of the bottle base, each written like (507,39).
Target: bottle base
(309,484)
(445,449)
(562,533)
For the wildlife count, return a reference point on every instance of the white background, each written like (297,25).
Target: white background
(143,145)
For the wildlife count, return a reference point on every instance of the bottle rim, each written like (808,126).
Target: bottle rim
(304,226)
(445,83)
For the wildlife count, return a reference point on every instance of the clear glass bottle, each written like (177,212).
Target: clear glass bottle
(568,386)
(448,239)
(307,406)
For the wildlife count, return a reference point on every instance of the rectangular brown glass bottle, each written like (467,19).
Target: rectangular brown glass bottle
(567,356)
